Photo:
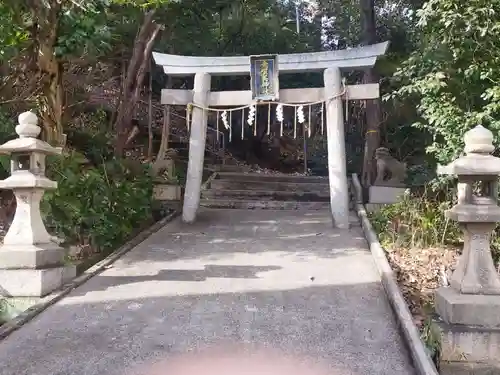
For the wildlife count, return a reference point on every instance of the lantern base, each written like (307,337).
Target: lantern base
(468,309)
(31,256)
(467,350)
(34,283)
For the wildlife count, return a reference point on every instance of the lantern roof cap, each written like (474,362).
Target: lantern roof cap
(478,160)
(28,131)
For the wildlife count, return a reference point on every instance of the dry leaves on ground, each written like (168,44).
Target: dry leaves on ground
(419,272)
(257,169)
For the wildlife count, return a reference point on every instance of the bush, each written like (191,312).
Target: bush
(416,221)
(96,146)
(419,221)
(100,206)
(100,201)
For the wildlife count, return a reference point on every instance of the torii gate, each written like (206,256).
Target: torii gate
(333,92)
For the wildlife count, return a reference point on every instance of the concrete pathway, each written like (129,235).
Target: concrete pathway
(280,279)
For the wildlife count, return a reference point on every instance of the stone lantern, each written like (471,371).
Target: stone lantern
(470,308)
(31,264)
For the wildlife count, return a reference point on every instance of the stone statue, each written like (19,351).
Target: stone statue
(390,172)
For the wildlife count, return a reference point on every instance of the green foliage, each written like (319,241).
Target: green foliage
(90,136)
(454,74)
(416,222)
(145,3)
(84,29)
(431,338)
(12,33)
(7,133)
(225,28)
(101,206)
(419,175)
(3,310)
(419,221)
(81,27)
(96,147)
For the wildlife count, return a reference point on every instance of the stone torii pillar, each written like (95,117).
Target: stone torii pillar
(197,141)
(337,169)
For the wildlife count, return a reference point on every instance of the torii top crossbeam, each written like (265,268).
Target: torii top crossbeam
(347,59)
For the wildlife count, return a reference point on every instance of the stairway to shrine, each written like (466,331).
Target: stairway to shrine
(264,191)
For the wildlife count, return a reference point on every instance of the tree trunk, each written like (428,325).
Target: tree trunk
(134,79)
(373,115)
(150,113)
(50,71)
(165,134)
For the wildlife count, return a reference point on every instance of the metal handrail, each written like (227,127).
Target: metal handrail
(220,136)
(217,143)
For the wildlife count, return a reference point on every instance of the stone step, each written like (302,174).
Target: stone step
(232,168)
(211,161)
(268,195)
(223,184)
(263,205)
(185,152)
(178,145)
(271,177)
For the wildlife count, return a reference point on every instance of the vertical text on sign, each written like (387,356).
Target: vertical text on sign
(264,77)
